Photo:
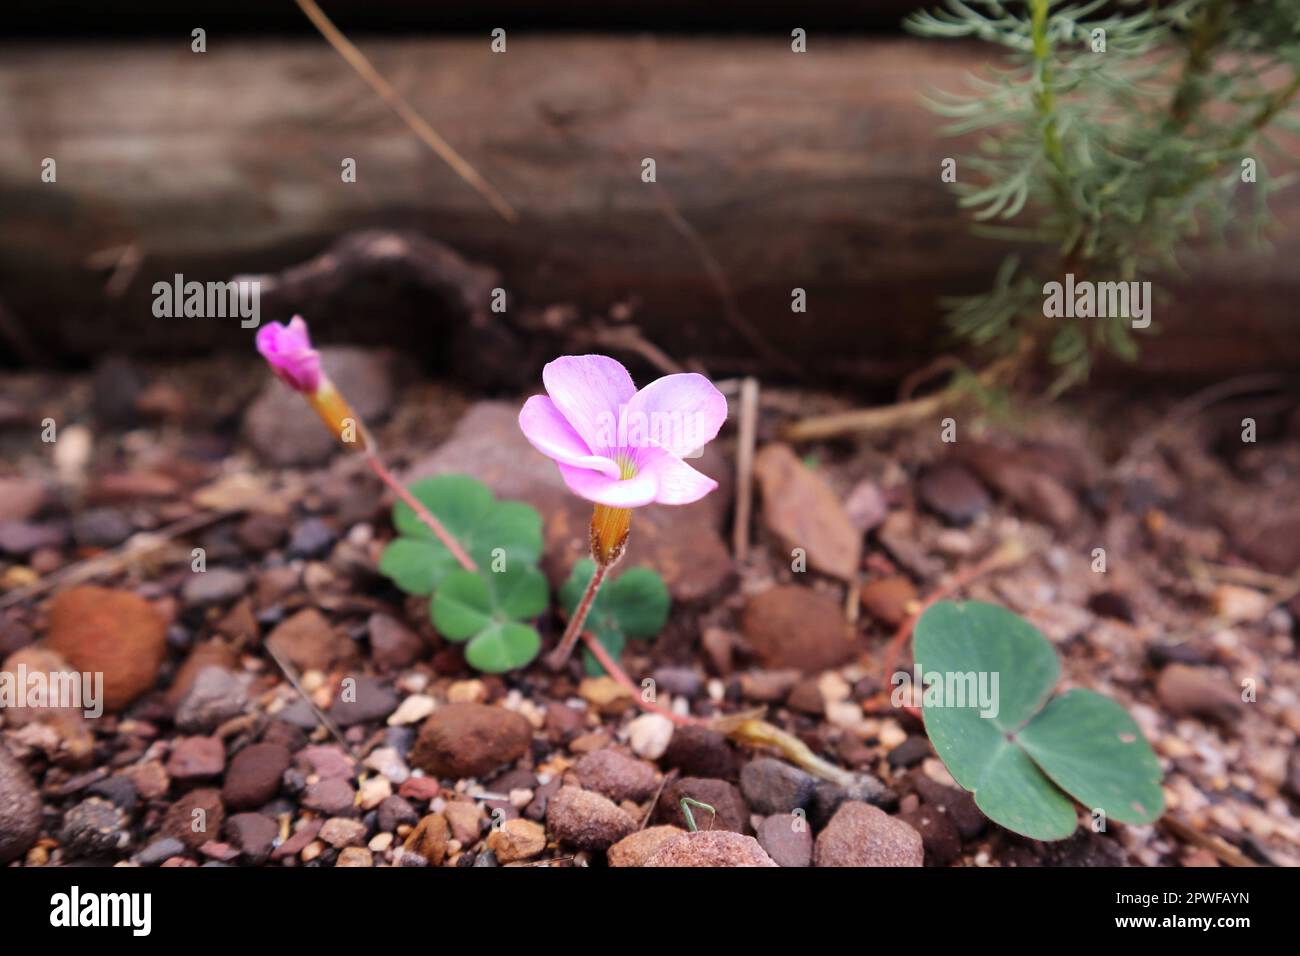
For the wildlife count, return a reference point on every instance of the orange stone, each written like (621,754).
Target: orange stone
(109,631)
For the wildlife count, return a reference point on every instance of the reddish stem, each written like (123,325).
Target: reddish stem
(565,647)
(423,513)
(1007,554)
(611,667)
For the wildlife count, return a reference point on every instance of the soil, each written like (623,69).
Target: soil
(1160,558)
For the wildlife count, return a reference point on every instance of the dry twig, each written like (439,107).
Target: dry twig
(745,468)
(358,61)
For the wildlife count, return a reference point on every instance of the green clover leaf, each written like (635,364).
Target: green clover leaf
(1025,756)
(634,604)
(494,533)
(487,609)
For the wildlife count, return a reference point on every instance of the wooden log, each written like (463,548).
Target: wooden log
(165,17)
(818,171)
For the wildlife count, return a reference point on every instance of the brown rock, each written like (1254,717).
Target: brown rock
(952,492)
(195,818)
(75,741)
(701,752)
(253,835)
(806,697)
(333,796)
(429,839)
(421,789)
(393,645)
(150,779)
(802,510)
(517,839)
(617,775)
(586,820)
(1187,691)
(110,631)
(470,740)
(298,841)
(213,653)
(635,848)
(711,848)
(465,819)
(353,856)
(20,808)
(956,803)
(307,641)
(862,835)
(339,832)
(939,835)
(196,758)
(254,775)
(889,600)
(589,743)
(1021,479)
(769,687)
(787,839)
(261,532)
(682,543)
(796,627)
(563,722)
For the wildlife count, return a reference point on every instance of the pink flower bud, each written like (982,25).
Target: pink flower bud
(288,350)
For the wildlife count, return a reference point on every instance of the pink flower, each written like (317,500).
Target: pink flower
(618,446)
(288,349)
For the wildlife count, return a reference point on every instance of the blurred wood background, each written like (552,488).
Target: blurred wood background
(818,171)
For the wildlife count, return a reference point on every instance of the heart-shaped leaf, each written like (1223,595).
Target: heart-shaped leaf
(634,604)
(487,609)
(987,675)
(495,534)
(502,647)
(1093,750)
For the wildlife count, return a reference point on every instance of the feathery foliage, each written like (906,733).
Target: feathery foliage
(1114,135)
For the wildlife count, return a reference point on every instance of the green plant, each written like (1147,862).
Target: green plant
(493,533)
(488,607)
(634,604)
(1025,753)
(489,611)
(1112,138)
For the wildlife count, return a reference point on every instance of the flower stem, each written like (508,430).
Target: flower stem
(421,512)
(565,647)
(615,671)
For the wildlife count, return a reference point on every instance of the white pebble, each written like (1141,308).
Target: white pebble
(649,734)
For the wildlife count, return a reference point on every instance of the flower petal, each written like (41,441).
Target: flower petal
(588,390)
(680,413)
(551,434)
(628,493)
(287,348)
(676,483)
